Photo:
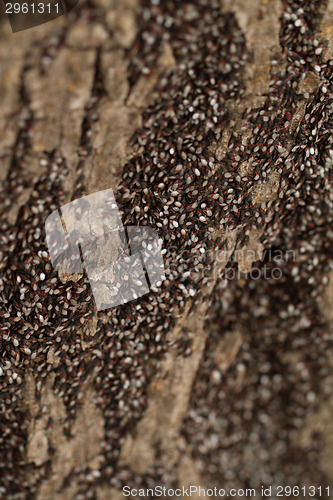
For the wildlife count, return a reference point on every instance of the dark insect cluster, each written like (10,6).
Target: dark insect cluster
(176,184)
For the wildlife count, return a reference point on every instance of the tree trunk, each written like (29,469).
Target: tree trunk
(211,121)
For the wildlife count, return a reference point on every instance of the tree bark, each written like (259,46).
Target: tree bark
(161,392)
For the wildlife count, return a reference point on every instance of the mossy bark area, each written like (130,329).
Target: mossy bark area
(65,92)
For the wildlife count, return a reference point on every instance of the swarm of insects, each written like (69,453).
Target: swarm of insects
(241,422)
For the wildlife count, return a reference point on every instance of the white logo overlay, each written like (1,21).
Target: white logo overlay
(122,264)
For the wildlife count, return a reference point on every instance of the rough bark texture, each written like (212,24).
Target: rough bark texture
(202,383)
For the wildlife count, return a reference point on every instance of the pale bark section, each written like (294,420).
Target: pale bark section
(9,83)
(325,31)
(259,21)
(58,99)
(13,57)
(83,448)
(116,123)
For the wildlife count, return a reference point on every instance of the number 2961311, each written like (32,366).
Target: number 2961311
(25,15)
(31,8)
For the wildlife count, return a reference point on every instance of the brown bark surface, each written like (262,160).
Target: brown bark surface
(73,93)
